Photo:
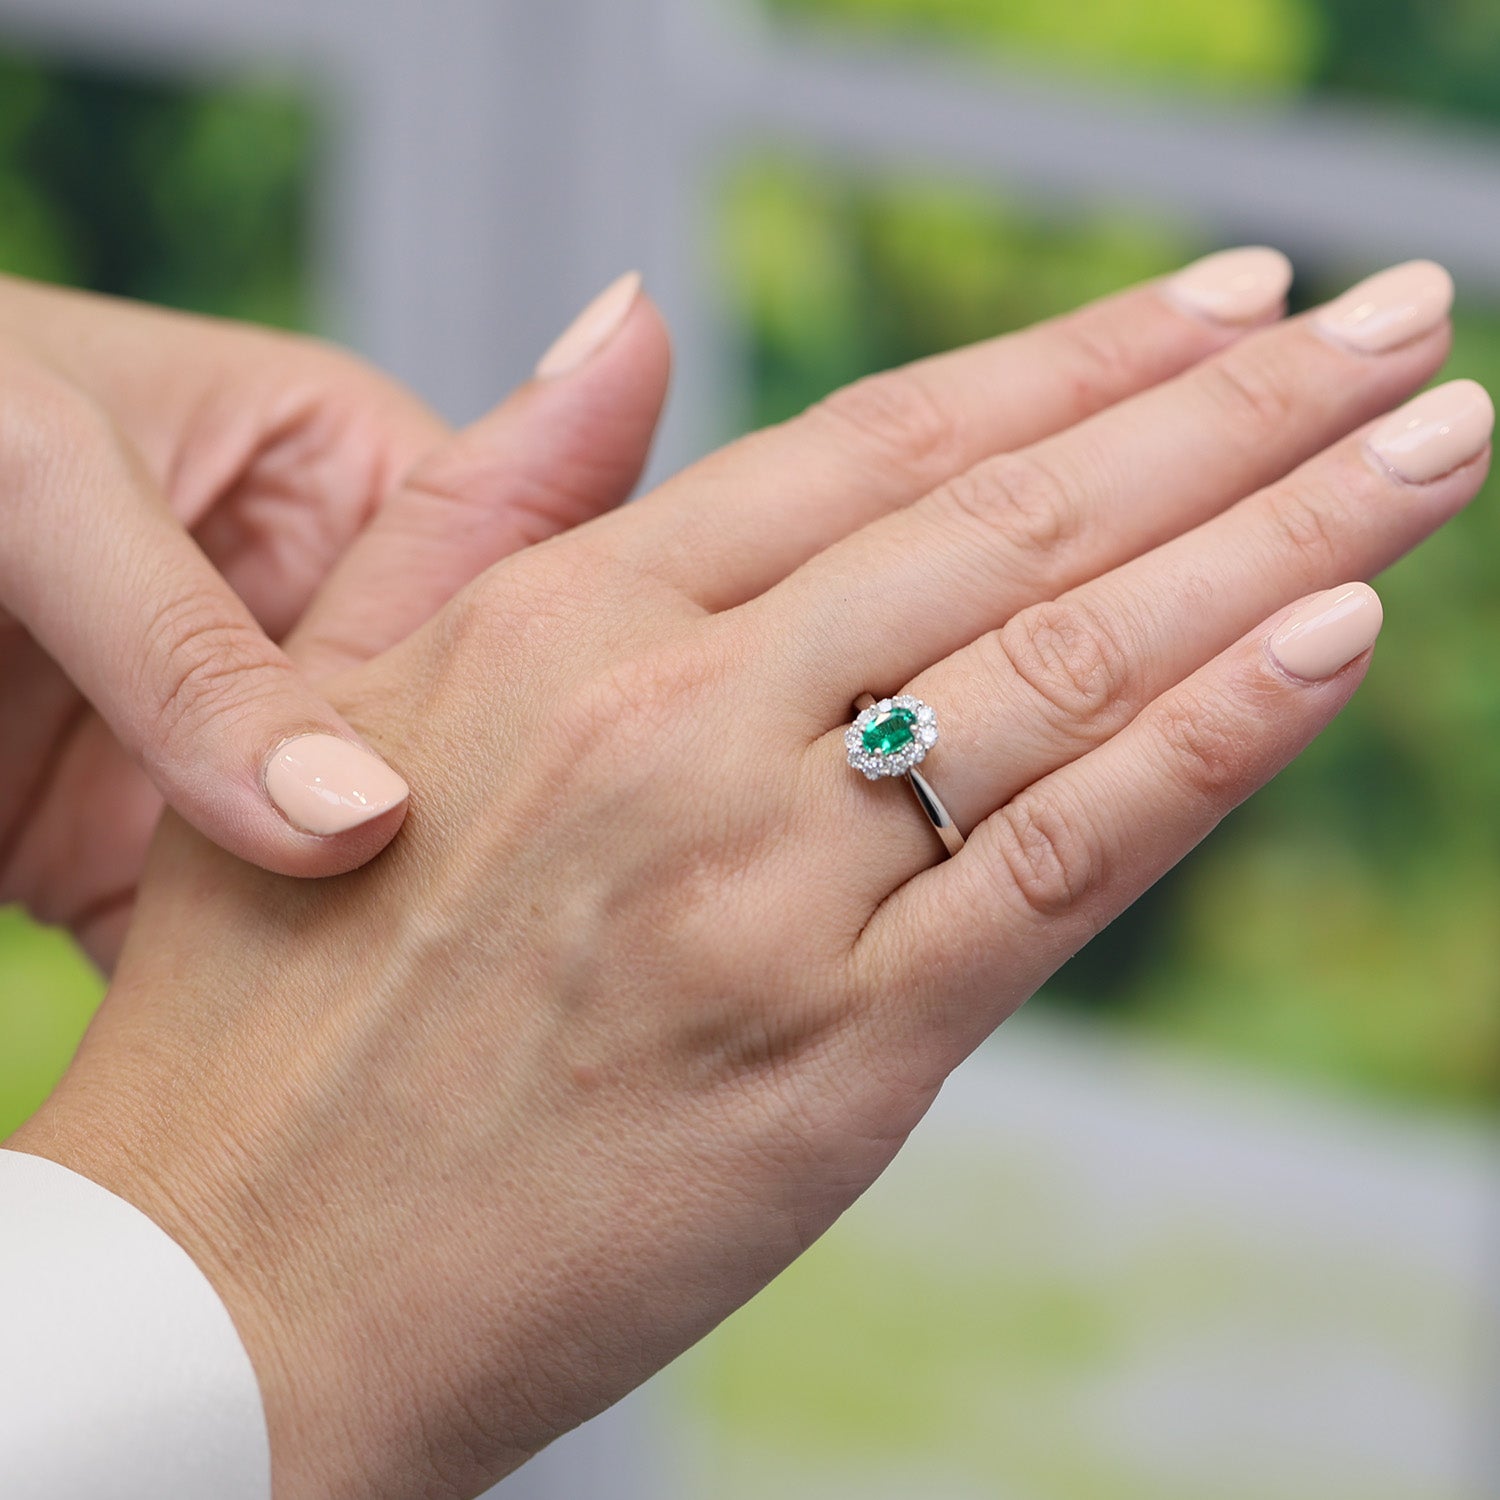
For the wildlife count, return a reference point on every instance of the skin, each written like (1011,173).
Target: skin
(334,513)
(475,1138)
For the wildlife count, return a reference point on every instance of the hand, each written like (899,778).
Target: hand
(652,985)
(131,438)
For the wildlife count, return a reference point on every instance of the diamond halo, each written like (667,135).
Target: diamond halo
(910,732)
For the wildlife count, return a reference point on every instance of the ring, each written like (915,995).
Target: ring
(891,737)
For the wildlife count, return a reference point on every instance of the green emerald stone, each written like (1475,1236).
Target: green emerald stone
(890,732)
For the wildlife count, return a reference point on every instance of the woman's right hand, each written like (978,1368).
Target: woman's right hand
(652,985)
(177,492)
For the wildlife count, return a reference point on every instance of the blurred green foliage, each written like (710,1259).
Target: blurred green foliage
(1440,55)
(1238,45)
(1437,55)
(836,277)
(48,992)
(1344,925)
(973,1324)
(191,196)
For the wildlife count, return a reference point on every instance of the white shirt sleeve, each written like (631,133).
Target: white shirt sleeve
(121,1374)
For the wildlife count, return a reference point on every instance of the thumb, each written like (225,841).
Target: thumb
(100,572)
(567,445)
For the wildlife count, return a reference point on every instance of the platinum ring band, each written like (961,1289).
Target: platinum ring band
(917,716)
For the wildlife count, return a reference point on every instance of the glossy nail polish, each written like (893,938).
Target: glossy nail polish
(1233,286)
(326,785)
(1390,309)
(1325,633)
(592,329)
(1436,432)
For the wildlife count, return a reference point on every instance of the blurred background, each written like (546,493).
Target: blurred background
(1215,1217)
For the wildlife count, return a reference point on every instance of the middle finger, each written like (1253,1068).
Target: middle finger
(910,589)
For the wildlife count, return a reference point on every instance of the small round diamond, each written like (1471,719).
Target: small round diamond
(891,736)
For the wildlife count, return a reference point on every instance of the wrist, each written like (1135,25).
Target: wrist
(337,1386)
(100,1303)
(100,1136)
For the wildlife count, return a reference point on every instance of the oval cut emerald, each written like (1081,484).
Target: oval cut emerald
(887,733)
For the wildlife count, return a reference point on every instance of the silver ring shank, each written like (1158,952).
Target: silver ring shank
(927,799)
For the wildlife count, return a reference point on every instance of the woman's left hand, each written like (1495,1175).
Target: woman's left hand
(301,472)
(652,984)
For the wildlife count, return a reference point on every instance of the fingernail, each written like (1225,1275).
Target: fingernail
(592,329)
(1233,286)
(1389,309)
(1436,432)
(323,784)
(1325,633)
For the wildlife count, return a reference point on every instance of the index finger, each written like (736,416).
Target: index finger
(733,525)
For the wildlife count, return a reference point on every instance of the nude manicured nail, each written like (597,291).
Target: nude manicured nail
(1389,309)
(1233,286)
(1435,433)
(1325,633)
(592,329)
(323,784)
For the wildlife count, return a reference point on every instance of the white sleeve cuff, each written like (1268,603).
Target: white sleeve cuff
(121,1374)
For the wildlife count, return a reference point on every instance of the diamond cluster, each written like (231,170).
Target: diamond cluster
(890,737)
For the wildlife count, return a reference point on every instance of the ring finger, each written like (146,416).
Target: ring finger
(1062,677)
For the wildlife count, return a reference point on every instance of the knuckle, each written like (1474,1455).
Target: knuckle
(204,668)
(901,417)
(1075,664)
(522,612)
(1101,358)
(493,593)
(501,611)
(1203,745)
(1251,394)
(1050,858)
(1303,528)
(1017,502)
(477,614)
